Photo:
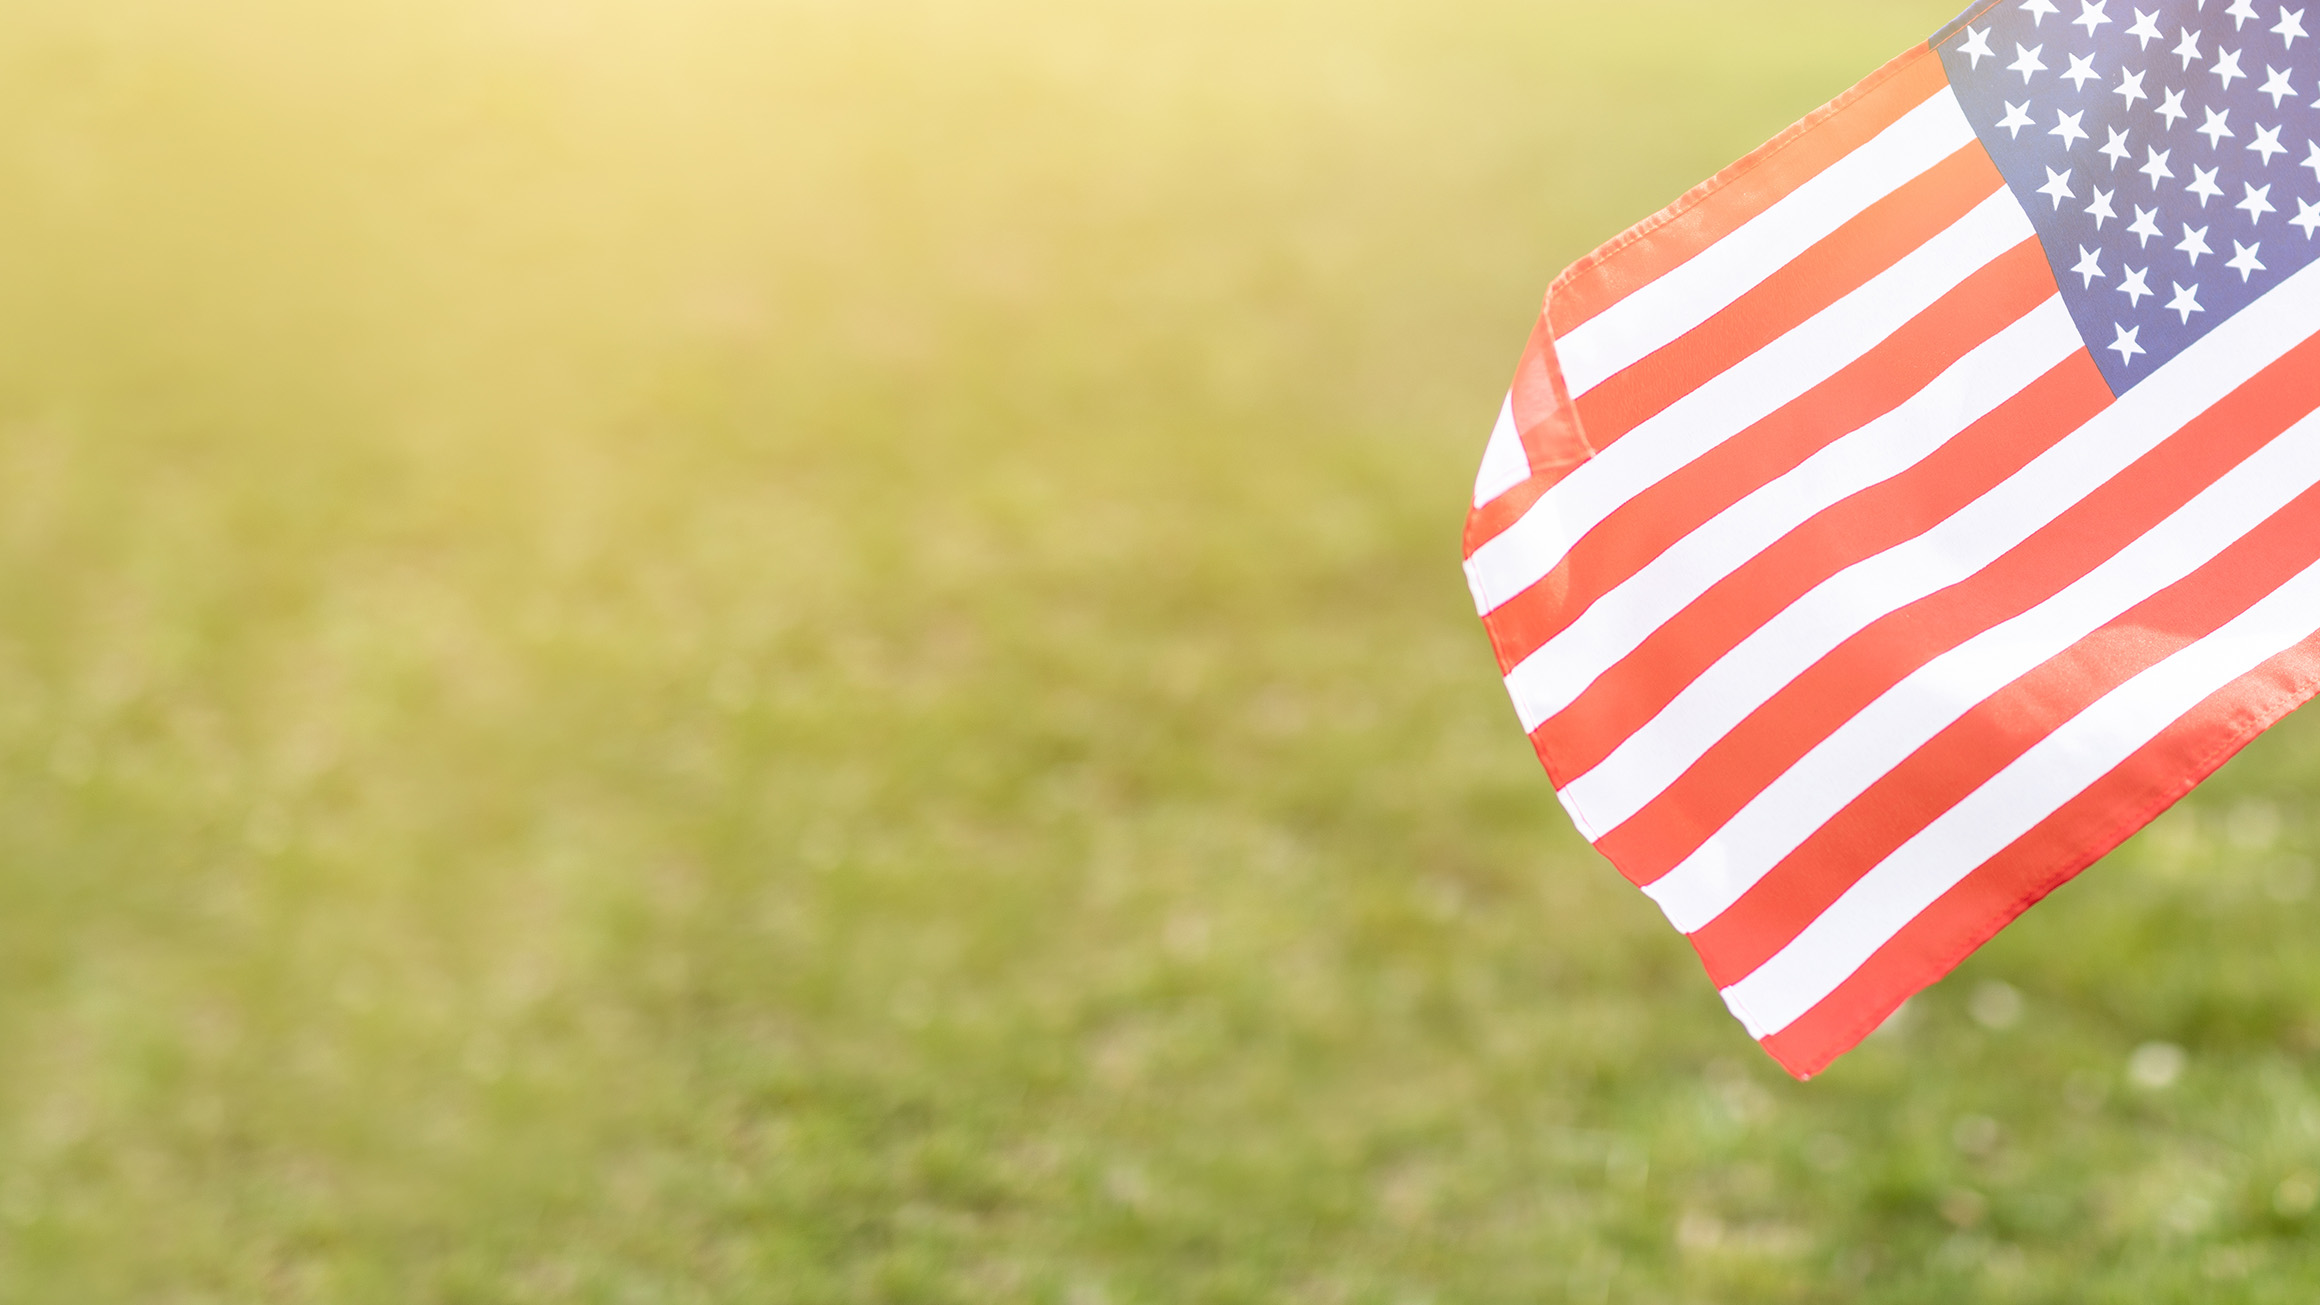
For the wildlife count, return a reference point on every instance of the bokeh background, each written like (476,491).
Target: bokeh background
(812,651)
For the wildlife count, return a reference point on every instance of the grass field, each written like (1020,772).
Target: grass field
(813,652)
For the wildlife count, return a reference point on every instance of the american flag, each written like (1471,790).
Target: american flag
(1882,533)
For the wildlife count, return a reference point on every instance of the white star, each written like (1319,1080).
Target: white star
(2146,29)
(2156,169)
(2125,344)
(2186,301)
(2203,184)
(2172,109)
(2257,203)
(2027,62)
(2081,72)
(2267,143)
(2017,117)
(2089,266)
(2193,243)
(1977,46)
(2217,128)
(2144,226)
(2116,149)
(2241,11)
(2057,187)
(2136,286)
(2227,67)
(2066,126)
(2291,26)
(2090,15)
(2101,210)
(2277,87)
(2188,48)
(2244,261)
(2038,9)
(2314,161)
(2130,88)
(2307,217)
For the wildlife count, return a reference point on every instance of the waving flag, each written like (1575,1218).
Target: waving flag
(1885,531)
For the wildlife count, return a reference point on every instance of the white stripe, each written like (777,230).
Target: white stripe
(1655,314)
(1647,761)
(1552,677)
(1505,464)
(2013,802)
(1744,394)
(1857,754)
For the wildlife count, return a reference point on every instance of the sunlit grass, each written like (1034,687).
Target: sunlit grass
(813,652)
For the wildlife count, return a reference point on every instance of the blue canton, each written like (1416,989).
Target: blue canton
(2168,153)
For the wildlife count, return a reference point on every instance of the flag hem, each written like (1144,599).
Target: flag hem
(1736,171)
(2299,687)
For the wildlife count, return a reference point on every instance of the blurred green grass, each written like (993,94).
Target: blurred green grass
(812,652)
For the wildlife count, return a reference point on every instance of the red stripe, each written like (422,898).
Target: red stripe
(1725,202)
(1837,265)
(1999,729)
(1873,385)
(1868,523)
(1486,522)
(1805,710)
(2078,834)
